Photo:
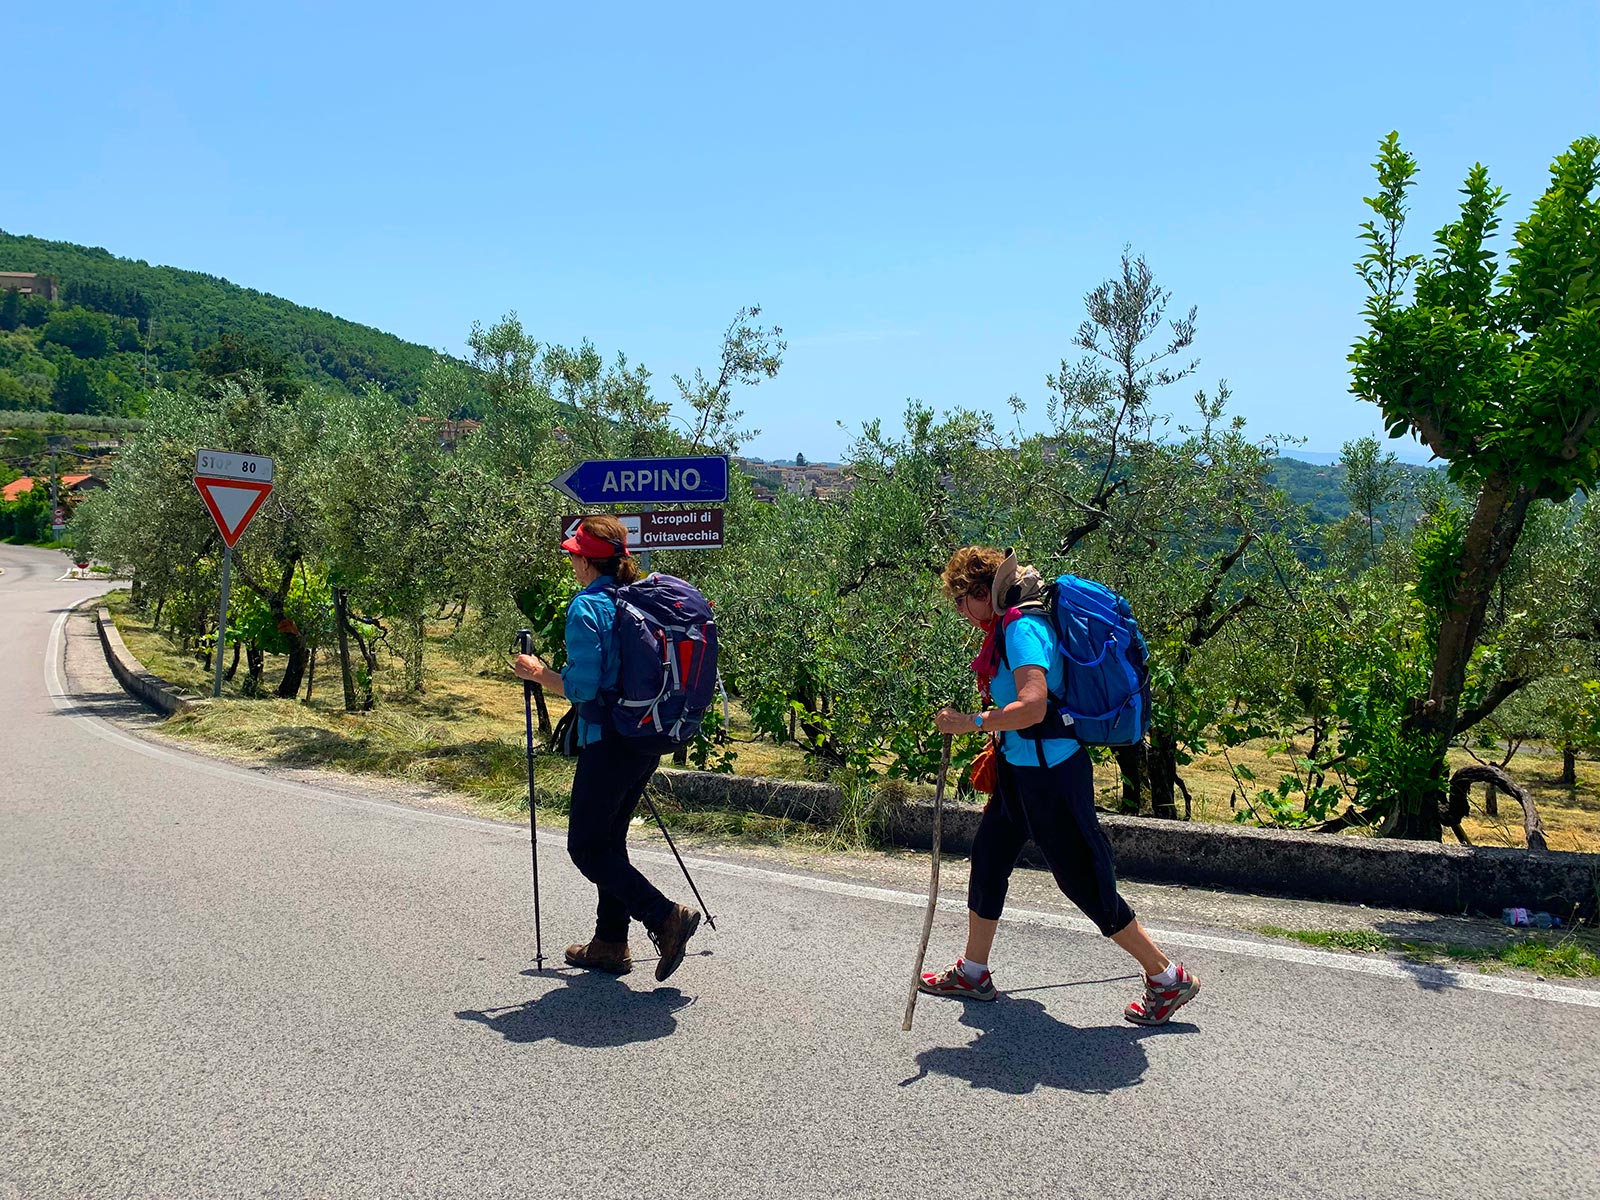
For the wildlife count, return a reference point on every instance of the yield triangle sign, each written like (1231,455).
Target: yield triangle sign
(232,503)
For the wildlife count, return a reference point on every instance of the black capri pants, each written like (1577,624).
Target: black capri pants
(1054,806)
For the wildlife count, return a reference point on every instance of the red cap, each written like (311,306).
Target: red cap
(585,543)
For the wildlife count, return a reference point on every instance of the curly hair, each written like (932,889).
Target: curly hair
(970,571)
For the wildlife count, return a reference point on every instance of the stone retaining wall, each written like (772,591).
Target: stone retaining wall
(1364,870)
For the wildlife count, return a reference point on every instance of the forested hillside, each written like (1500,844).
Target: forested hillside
(1321,487)
(120,327)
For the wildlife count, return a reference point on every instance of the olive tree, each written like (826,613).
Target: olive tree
(1495,368)
(151,518)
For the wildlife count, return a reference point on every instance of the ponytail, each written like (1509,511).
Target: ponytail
(621,564)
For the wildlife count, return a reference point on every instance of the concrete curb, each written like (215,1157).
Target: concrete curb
(152,689)
(1363,870)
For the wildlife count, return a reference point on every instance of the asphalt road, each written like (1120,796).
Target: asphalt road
(214,982)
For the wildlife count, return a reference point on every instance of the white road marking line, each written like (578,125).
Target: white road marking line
(1384,968)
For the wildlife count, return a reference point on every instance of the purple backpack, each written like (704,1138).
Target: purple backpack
(667,673)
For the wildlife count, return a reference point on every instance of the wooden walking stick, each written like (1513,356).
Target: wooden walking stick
(933,886)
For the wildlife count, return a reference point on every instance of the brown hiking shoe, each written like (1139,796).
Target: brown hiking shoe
(612,957)
(673,938)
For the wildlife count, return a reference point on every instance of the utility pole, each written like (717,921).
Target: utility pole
(52,486)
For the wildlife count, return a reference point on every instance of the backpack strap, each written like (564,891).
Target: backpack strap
(1053,724)
(606,699)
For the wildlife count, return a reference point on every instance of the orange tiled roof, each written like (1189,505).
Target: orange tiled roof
(17,486)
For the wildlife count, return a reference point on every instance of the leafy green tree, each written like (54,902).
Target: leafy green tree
(750,353)
(232,356)
(1373,479)
(13,396)
(151,519)
(1495,371)
(75,390)
(836,637)
(86,334)
(373,483)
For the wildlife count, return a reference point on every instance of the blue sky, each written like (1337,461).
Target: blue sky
(919,194)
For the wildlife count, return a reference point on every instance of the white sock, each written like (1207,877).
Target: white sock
(1168,977)
(973,971)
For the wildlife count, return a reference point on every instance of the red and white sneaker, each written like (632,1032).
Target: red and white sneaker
(954,982)
(1160,1002)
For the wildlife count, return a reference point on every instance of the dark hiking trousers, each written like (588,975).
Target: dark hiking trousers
(1054,806)
(610,779)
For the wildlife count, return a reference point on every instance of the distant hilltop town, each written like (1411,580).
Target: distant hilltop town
(799,478)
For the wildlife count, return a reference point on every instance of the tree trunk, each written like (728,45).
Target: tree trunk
(1463,780)
(257,663)
(1491,535)
(419,636)
(542,711)
(1491,799)
(311,674)
(294,672)
(1163,764)
(1131,768)
(1569,766)
(233,667)
(341,624)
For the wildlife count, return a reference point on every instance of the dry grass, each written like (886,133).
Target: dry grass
(1571,816)
(464,731)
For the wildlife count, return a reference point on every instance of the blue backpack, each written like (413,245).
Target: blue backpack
(667,671)
(1107,695)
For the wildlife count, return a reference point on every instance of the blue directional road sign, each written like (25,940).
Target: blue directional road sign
(699,480)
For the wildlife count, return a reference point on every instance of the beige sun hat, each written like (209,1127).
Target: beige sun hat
(1014,584)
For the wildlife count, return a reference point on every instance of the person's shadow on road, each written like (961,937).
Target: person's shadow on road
(592,1010)
(1021,1047)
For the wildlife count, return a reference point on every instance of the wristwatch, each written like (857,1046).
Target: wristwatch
(977,720)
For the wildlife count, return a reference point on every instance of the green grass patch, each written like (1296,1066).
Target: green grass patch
(1562,957)
(16,540)
(1363,941)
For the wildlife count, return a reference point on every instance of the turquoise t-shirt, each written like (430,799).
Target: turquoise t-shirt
(1031,642)
(591,668)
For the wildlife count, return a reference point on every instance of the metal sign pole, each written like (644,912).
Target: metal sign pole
(222,622)
(644,554)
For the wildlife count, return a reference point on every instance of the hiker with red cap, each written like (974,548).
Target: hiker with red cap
(1042,780)
(612,770)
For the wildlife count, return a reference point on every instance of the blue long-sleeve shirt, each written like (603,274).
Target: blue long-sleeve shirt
(591,661)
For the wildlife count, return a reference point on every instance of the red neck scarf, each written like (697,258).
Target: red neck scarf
(987,665)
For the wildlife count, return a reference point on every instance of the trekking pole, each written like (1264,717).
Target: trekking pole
(933,886)
(650,804)
(525,646)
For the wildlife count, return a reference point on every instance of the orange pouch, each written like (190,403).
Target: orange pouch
(985,767)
